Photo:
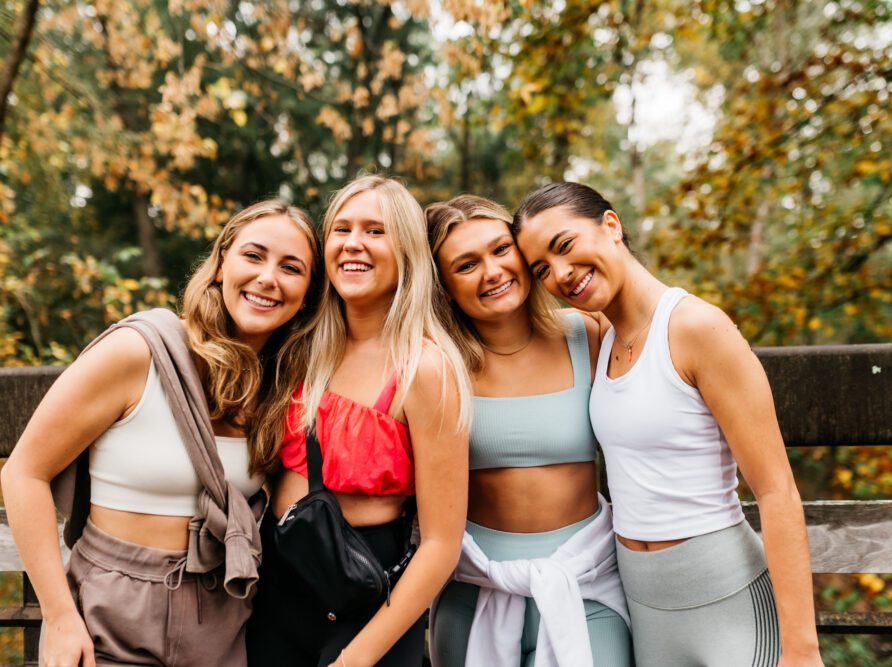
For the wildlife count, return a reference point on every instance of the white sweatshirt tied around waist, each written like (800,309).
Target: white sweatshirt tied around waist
(583,568)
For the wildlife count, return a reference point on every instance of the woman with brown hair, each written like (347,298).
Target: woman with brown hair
(131,594)
(678,401)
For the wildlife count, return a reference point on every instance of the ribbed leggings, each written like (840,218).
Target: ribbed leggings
(702,603)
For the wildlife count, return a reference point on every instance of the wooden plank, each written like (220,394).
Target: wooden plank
(855,622)
(832,394)
(824,395)
(20,391)
(845,536)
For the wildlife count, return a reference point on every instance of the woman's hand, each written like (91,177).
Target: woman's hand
(66,642)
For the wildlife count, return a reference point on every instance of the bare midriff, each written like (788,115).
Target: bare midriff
(148,530)
(533,500)
(643,545)
(359,509)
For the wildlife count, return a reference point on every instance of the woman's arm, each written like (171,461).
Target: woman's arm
(441,483)
(710,354)
(96,390)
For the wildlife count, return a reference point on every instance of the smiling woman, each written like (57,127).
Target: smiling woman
(132,594)
(386,396)
(533,490)
(678,402)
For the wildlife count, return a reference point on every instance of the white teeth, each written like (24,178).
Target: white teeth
(260,301)
(355,266)
(582,285)
(499,289)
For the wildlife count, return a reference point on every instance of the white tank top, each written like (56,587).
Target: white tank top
(670,471)
(140,464)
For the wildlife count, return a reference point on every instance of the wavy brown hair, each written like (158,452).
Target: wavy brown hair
(244,388)
(442,217)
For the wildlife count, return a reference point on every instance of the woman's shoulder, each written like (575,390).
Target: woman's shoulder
(702,333)
(124,347)
(697,319)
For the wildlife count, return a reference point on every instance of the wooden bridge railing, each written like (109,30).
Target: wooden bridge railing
(832,395)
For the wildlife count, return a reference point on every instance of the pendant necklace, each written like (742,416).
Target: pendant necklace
(627,345)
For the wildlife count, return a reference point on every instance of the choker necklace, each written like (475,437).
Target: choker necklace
(512,352)
(627,345)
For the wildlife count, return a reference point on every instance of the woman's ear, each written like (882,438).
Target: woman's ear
(614,227)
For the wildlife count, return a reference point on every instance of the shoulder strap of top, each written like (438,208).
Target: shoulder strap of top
(660,326)
(604,354)
(386,396)
(577,341)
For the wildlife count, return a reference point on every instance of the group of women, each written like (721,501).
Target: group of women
(458,413)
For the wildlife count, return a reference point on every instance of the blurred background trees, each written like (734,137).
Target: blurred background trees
(745,144)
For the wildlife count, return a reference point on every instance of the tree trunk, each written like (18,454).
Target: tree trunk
(464,179)
(24,28)
(151,262)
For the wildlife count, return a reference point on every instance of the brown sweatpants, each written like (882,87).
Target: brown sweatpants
(141,607)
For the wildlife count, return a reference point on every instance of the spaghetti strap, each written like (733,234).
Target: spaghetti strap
(387,394)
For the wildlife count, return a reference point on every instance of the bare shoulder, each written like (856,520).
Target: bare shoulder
(701,334)
(123,351)
(431,373)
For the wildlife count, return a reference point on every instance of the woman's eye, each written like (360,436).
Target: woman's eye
(502,249)
(467,266)
(292,269)
(564,245)
(541,273)
(250,254)
(377,231)
(341,230)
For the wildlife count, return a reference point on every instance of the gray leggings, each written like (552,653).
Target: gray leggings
(707,601)
(608,633)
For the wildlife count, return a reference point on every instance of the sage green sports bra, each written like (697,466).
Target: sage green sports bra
(538,430)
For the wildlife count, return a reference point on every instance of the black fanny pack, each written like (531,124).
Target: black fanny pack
(330,557)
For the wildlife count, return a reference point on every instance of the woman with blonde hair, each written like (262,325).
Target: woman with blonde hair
(385,406)
(534,465)
(157,425)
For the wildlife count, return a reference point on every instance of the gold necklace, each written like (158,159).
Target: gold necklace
(513,352)
(628,345)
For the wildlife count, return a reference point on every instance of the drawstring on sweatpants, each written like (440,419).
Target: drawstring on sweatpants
(173,579)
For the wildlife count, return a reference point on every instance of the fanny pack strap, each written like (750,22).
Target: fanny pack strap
(314,461)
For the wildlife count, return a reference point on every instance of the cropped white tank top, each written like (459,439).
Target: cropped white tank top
(140,464)
(670,471)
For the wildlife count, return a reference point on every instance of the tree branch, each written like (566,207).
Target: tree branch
(24,28)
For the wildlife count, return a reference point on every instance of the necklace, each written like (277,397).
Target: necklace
(627,345)
(513,352)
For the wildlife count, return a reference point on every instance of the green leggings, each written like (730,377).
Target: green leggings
(609,636)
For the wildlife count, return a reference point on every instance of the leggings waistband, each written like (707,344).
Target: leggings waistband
(698,571)
(502,545)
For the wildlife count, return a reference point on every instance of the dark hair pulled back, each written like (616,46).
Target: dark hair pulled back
(577,198)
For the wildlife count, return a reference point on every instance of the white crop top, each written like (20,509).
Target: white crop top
(670,471)
(140,464)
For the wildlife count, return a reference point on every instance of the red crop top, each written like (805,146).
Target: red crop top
(364,450)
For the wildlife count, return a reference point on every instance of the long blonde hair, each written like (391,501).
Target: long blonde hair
(412,317)
(243,387)
(442,217)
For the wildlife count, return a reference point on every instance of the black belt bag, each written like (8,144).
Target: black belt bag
(328,555)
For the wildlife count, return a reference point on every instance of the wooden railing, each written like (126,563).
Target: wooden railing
(831,396)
